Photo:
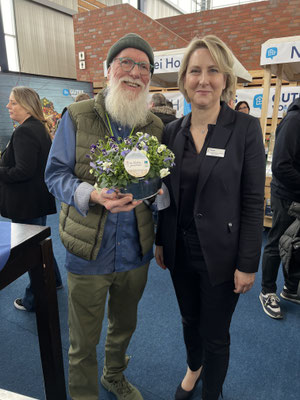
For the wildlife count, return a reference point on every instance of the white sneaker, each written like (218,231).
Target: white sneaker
(270,303)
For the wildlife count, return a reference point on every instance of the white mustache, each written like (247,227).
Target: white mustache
(134,81)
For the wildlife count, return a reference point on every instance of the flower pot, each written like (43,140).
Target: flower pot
(144,189)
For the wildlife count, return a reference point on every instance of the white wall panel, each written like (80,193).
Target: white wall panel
(45,40)
(160,9)
(66,3)
(154,8)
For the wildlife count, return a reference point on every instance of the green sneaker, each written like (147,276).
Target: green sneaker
(122,389)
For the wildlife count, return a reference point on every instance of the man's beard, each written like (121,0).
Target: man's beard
(125,107)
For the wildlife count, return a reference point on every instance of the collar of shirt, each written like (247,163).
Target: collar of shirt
(119,130)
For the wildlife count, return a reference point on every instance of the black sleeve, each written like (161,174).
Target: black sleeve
(26,149)
(286,153)
(252,199)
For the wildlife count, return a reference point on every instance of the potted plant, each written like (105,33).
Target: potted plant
(134,165)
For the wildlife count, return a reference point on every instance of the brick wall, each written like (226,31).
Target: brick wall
(244,28)
(96,31)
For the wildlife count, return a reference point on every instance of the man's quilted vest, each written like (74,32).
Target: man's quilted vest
(80,235)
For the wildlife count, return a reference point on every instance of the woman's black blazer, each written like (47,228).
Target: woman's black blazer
(229,196)
(23,192)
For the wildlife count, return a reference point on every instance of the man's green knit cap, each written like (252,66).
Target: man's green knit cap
(130,40)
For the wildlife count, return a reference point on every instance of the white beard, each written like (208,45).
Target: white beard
(125,108)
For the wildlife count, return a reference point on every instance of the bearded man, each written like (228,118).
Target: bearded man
(108,238)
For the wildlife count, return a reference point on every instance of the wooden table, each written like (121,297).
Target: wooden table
(31,248)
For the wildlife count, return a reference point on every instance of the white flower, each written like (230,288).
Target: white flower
(106,165)
(164,172)
(161,148)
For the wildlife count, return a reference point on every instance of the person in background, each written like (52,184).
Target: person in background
(82,96)
(79,97)
(285,188)
(242,106)
(169,103)
(24,197)
(210,235)
(108,237)
(160,108)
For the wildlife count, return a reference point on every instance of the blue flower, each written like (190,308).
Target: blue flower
(93,148)
(125,152)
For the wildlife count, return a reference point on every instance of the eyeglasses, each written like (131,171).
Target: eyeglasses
(127,64)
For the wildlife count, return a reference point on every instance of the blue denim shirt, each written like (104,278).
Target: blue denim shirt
(120,248)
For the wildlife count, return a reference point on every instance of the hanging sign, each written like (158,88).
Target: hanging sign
(280,53)
(167,63)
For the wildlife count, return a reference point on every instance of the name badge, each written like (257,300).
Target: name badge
(213,152)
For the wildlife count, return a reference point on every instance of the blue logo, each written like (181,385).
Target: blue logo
(257,101)
(271,52)
(66,92)
(295,52)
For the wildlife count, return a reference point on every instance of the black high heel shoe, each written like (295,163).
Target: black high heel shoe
(182,394)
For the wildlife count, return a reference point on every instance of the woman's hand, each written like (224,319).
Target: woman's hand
(114,202)
(243,281)
(159,256)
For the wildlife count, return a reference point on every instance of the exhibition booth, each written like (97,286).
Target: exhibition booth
(280,57)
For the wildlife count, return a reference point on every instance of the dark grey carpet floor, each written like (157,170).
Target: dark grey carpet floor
(265,353)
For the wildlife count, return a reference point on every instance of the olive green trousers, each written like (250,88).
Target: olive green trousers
(87,299)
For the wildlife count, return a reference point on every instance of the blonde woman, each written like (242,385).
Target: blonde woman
(210,236)
(24,197)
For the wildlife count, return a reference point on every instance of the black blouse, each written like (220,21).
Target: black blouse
(189,173)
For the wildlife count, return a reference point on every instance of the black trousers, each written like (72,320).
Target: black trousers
(281,220)
(206,312)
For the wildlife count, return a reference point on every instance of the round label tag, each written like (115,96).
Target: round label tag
(136,163)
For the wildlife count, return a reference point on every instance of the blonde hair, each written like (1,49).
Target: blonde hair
(30,101)
(222,56)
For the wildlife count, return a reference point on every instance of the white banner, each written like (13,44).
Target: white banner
(177,100)
(252,96)
(279,53)
(254,99)
(169,63)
